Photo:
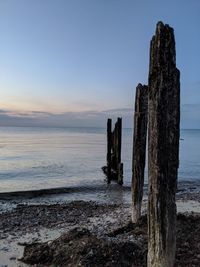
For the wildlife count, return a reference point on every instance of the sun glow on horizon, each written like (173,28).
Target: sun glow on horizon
(23,104)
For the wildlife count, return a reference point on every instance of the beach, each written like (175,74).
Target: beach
(99,134)
(52,185)
(35,217)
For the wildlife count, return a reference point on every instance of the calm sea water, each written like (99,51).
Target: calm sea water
(35,158)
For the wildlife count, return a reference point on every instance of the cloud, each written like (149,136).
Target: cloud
(190,118)
(67,119)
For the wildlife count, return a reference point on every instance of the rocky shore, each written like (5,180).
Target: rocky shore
(88,233)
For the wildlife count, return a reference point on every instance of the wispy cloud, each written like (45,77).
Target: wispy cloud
(190,117)
(66,119)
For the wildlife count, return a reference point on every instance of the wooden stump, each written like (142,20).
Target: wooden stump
(114,168)
(118,129)
(139,149)
(109,147)
(163,147)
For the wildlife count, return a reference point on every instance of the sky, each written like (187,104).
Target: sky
(78,62)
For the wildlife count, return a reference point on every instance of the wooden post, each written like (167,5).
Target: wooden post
(163,147)
(119,145)
(139,149)
(109,147)
(114,168)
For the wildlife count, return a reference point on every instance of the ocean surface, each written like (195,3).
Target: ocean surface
(38,158)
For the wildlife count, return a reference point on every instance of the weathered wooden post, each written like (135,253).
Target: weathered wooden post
(114,168)
(163,147)
(119,166)
(109,147)
(139,149)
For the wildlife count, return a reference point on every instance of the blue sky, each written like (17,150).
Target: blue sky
(75,62)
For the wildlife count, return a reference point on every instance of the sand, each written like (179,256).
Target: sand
(27,220)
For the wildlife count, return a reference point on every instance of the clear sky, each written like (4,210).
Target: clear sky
(75,62)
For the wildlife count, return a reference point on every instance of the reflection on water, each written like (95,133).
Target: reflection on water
(33,158)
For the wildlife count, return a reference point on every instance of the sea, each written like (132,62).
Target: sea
(34,158)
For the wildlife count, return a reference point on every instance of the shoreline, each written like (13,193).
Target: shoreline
(62,190)
(183,186)
(102,194)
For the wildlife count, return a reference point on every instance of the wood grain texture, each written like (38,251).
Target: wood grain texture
(163,147)
(139,149)
(114,168)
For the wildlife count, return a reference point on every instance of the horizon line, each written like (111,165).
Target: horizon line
(37,126)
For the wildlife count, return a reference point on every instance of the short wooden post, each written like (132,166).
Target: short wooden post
(139,149)
(109,147)
(114,168)
(119,145)
(163,147)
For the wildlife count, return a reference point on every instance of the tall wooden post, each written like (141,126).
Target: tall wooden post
(109,147)
(163,147)
(139,149)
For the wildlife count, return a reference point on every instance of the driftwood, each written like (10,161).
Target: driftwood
(163,147)
(139,149)
(114,168)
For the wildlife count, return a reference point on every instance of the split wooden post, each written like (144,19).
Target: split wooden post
(118,151)
(109,147)
(139,149)
(114,168)
(163,147)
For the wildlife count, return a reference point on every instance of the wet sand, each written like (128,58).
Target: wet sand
(43,218)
